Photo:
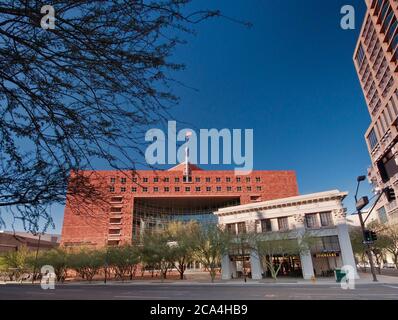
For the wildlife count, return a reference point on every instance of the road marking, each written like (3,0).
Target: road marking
(37,292)
(143,297)
(390,286)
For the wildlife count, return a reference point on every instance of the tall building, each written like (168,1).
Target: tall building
(141,201)
(375,60)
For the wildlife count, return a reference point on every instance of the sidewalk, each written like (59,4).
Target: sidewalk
(365,278)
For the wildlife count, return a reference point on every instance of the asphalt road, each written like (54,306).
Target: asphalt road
(200,292)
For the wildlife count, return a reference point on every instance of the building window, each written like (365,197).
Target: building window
(237,179)
(177,189)
(247,179)
(231,228)
(197,179)
(111,189)
(229,189)
(239,189)
(228,179)
(187,179)
(311,221)
(144,189)
(133,189)
(266,225)
(123,189)
(117,199)
(134,179)
(115,220)
(249,188)
(155,189)
(113,180)
(326,219)
(241,227)
(208,189)
(382,215)
(218,179)
(258,179)
(218,189)
(360,56)
(258,188)
(123,180)
(197,189)
(326,244)
(176,179)
(145,179)
(208,179)
(187,189)
(155,179)
(166,179)
(283,224)
(166,189)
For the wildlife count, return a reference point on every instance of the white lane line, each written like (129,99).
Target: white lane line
(386,285)
(141,297)
(36,292)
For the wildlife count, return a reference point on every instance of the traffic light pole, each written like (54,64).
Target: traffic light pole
(359,205)
(368,249)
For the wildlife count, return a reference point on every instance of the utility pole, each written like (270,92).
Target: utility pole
(360,204)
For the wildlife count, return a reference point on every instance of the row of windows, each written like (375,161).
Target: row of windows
(360,55)
(389,24)
(187,189)
(177,179)
(383,122)
(316,220)
(283,224)
(312,221)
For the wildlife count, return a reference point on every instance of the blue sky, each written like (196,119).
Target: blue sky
(290,78)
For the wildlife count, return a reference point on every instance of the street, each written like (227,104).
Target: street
(158,291)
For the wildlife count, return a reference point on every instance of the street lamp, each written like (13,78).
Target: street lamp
(360,204)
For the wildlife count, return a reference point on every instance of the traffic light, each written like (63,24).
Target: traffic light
(367,236)
(390,194)
(370,236)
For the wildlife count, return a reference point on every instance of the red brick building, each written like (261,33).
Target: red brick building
(143,200)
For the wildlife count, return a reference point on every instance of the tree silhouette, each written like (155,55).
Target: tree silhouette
(83,92)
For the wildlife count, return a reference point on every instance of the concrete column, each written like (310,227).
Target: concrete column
(274,225)
(306,259)
(347,255)
(255,264)
(232,266)
(226,268)
(306,265)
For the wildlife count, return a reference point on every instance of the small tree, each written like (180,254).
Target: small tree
(391,234)
(58,259)
(356,237)
(17,262)
(278,245)
(212,244)
(87,262)
(123,260)
(184,236)
(157,251)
